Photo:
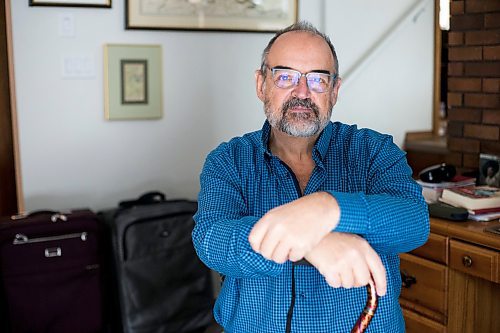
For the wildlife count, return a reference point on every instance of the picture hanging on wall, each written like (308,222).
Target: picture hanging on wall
(132,81)
(216,15)
(72,3)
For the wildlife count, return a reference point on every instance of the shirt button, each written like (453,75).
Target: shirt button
(302,295)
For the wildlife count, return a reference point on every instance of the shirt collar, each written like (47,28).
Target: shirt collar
(266,133)
(324,139)
(321,145)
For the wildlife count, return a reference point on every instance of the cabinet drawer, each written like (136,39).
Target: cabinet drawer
(430,283)
(414,323)
(435,249)
(474,260)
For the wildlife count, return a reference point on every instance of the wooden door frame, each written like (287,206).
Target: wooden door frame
(11,198)
(436,103)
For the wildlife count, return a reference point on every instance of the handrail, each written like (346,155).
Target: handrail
(412,14)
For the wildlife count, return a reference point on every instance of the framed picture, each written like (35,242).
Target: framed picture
(489,170)
(215,15)
(132,81)
(72,3)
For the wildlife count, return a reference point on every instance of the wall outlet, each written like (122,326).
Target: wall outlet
(79,66)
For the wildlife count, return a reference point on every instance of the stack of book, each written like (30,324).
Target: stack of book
(432,191)
(482,202)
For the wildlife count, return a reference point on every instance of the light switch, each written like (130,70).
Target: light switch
(66,25)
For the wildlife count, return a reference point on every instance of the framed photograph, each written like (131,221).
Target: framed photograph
(489,170)
(215,15)
(72,3)
(132,81)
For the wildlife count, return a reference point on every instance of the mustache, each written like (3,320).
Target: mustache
(297,102)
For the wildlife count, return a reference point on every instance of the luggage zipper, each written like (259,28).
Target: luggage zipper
(21,239)
(54,216)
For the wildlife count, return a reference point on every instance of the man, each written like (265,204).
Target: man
(306,189)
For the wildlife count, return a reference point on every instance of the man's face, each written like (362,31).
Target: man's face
(298,111)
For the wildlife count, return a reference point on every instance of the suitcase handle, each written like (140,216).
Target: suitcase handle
(54,215)
(147,198)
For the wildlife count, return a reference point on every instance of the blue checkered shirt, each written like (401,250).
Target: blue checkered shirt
(242,180)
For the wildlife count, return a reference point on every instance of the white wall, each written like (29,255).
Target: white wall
(386,53)
(72,157)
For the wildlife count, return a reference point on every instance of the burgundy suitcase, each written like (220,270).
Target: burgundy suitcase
(50,273)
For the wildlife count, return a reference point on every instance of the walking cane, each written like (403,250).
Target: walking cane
(371,305)
(369,310)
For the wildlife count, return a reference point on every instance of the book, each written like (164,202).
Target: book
(432,191)
(484,211)
(472,197)
(486,214)
(485,217)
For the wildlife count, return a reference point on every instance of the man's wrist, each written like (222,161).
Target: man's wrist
(331,207)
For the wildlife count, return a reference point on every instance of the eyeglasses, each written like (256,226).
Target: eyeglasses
(316,81)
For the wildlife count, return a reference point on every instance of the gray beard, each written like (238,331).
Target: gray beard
(297,124)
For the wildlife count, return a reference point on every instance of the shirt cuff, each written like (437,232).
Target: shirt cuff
(353,212)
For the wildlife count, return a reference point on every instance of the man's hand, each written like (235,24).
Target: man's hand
(290,231)
(347,260)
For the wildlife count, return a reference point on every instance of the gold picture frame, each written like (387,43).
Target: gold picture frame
(215,15)
(72,3)
(132,81)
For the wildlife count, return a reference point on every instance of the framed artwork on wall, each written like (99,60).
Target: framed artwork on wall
(72,3)
(214,15)
(132,81)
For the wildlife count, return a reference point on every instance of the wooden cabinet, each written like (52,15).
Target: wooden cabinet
(452,283)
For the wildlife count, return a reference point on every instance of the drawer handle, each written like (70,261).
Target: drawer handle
(467,261)
(407,279)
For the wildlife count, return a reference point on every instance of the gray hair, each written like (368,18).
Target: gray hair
(299,26)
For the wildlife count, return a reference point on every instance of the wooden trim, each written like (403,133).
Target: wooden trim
(437,71)
(8,193)
(13,107)
(423,314)
(468,231)
(436,249)
(426,142)
(416,323)
(412,136)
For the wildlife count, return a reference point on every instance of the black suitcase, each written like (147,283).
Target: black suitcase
(50,273)
(162,285)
